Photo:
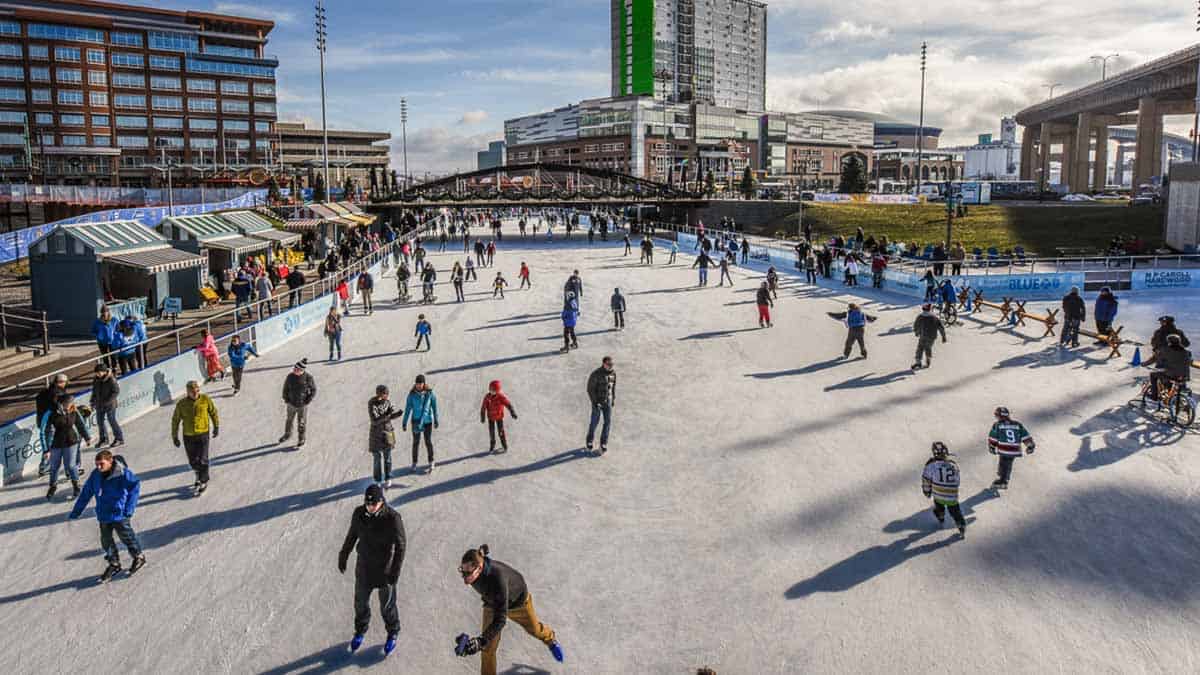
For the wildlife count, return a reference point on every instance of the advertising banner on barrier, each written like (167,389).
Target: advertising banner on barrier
(892,199)
(1151,280)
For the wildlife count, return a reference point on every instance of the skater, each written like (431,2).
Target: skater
(878,265)
(366,283)
(491,251)
(570,316)
(524,275)
(299,390)
(402,276)
(505,596)
(212,358)
(745,250)
(628,244)
(333,332)
(424,331)
(574,285)
(1074,314)
(428,279)
(421,408)
(1005,439)
(238,353)
(1104,312)
(856,323)
(762,298)
(498,285)
(1173,364)
(618,308)
(116,489)
(702,261)
(197,415)
(773,282)
(927,327)
(602,392)
(810,268)
(851,271)
(492,410)
(456,279)
(105,393)
(930,285)
(383,434)
(724,265)
(647,251)
(471,270)
(377,534)
(940,480)
(343,297)
(674,251)
(61,430)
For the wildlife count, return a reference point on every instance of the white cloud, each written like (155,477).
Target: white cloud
(440,150)
(473,117)
(849,30)
(255,12)
(594,79)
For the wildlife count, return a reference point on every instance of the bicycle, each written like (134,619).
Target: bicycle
(1176,398)
(948,313)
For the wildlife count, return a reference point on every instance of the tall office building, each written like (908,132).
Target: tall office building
(705,51)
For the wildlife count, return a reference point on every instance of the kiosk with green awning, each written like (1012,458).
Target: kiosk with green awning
(215,238)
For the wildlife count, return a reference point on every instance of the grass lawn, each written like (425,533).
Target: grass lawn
(1040,229)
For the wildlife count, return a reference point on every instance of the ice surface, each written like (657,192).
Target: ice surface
(759,510)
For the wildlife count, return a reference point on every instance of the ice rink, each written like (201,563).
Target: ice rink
(759,509)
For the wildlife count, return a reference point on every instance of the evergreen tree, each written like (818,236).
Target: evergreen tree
(273,196)
(747,186)
(347,188)
(854,175)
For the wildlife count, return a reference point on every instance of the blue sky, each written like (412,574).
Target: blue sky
(467,65)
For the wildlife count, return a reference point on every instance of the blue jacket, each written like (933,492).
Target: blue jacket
(238,352)
(423,328)
(116,496)
(569,317)
(947,293)
(421,406)
(103,332)
(118,343)
(855,318)
(1106,308)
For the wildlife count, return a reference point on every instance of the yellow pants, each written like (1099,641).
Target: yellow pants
(524,616)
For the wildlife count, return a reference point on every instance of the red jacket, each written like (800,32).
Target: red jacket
(494,404)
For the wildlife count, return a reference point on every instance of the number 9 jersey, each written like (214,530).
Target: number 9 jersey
(1007,436)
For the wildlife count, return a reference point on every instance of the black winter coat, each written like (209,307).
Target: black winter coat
(383,434)
(65,429)
(299,390)
(598,388)
(104,393)
(380,542)
(763,297)
(927,327)
(1074,307)
(502,589)
(1159,339)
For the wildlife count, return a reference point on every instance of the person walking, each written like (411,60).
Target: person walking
(116,489)
(402,276)
(105,393)
(212,357)
(422,410)
(702,261)
(333,332)
(570,316)
(856,323)
(377,535)
(505,596)
(524,275)
(617,302)
(383,435)
(239,352)
(940,480)
(61,430)
(1105,312)
(602,392)
(456,280)
(763,300)
(1005,439)
(1074,314)
(773,282)
(498,285)
(102,330)
(423,332)
(299,390)
(265,292)
(295,281)
(926,327)
(492,411)
(724,265)
(196,415)
(366,283)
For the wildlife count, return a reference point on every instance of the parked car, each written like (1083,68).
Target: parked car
(1077,197)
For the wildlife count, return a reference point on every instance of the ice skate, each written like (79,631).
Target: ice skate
(356,642)
(109,572)
(390,645)
(51,491)
(138,563)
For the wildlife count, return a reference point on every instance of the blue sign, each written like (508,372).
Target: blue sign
(172,306)
(1158,279)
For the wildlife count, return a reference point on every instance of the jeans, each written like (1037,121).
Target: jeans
(703,276)
(299,413)
(425,337)
(619,318)
(877,279)
(237,378)
(66,458)
(125,533)
(417,432)
(197,455)
(105,418)
(382,464)
(1004,470)
(335,340)
(494,427)
(939,512)
(855,335)
(1070,332)
(810,275)
(598,410)
(458,291)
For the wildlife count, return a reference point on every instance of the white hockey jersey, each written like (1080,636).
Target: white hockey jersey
(941,478)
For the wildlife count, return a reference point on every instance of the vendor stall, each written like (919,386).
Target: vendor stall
(215,238)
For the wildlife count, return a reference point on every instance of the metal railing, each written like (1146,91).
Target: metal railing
(20,318)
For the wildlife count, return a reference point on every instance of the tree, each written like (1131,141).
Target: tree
(347,188)
(374,183)
(747,186)
(710,184)
(319,189)
(395,181)
(854,175)
(273,196)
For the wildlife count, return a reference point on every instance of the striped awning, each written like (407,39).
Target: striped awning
(238,244)
(113,236)
(200,228)
(248,221)
(157,260)
(276,236)
(323,211)
(352,208)
(302,225)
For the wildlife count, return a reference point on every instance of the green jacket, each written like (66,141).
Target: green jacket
(194,416)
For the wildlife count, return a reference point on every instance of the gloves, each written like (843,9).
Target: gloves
(216,431)
(403,427)
(481,420)
(1031,449)
(342,563)
(514,416)
(175,441)
(435,425)
(466,646)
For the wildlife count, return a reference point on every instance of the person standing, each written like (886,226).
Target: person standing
(940,480)
(103,329)
(745,250)
(135,328)
(333,332)
(242,292)
(212,357)
(524,275)
(1005,439)
(491,250)
(194,413)
(570,316)
(366,283)
(456,280)
(602,392)
(498,285)
(265,292)
(773,282)
(674,251)
(703,261)
(628,244)
(299,390)
(105,393)
(402,276)
(1105,312)
(926,327)
(47,400)
(471,270)
(810,268)
(116,489)
(957,255)
(878,266)
(505,596)
(421,409)
(377,535)
(61,430)
(851,270)
(424,331)
(239,351)
(295,281)
(618,308)
(1074,314)
(492,411)
(856,322)
(724,265)
(762,298)
(428,279)
(383,434)
(342,304)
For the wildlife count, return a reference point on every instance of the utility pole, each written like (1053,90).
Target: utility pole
(404,139)
(921,124)
(322,33)
(1103,64)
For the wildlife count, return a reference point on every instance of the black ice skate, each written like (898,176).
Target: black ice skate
(109,572)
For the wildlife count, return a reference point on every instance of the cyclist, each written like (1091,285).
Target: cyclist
(948,297)
(1174,364)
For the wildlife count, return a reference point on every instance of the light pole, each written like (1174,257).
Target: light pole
(921,124)
(1196,114)
(1050,88)
(321,35)
(404,140)
(166,167)
(1103,64)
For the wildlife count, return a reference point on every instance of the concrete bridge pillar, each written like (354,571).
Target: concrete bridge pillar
(1027,141)
(1119,170)
(1149,140)
(1043,176)
(1081,145)
(1067,162)
(1100,167)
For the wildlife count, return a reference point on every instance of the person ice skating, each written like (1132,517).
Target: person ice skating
(299,390)
(492,411)
(810,268)
(333,332)
(505,596)
(402,277)
(239,352)
(617,302)
(377,535)
(926,327)
(1005,439)
(724,266)
(62,430)
(196,415)
(383,434)
(703,262)
(524,275)
(422,410)
(851,271)
(366,283)
(470,266)
(856,322)
(602,392)
(745,250)
(628,244)
(762,298)
(456,279)
(423,332)
(116,489)
(1104,312)
(105,393)
(1074,314)
(647,250)
(930,285)
(491,252)
(428,279)
(773,282)
(674,251)
(570,316)
(574,286)
(343,297)
(498,285)
(212,358)
(940,480)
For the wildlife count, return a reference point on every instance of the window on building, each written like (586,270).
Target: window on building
(96,56)
(99,120)
(239,143)
(263,144)
(133,142)
(43,119)
(16,73)
(71,120)
(12,139)
(126,39)
(168,122)
(39,95)
(39,74)
(69,75)
(74,139)
(262,127)
(101,140)
(234,106)
(164,82)
(131,121)
(235,87)
(175,42)
(168,142)
(202,124)
(10,28)
(129,101)
(98,78)
(167,102)
(204,86)
(202,104)
(68,54)
(39,52)
(200,143)
(98,99)
(224,68)
(46,138)
(164,62)
(127,60)
(70,97)
(47,31)
(12,117)
(9,50)
(229,50)
(129,80)
(264,108)
(264,89)
(236,125)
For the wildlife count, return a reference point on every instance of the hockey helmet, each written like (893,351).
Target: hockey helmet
(1167,318)
(940,451)
(1001,412)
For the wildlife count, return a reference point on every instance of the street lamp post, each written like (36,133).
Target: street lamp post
(404,140)
(321,39)
(1196,114)
(1051,88)
(921,123)
(166,167)
(1103,63)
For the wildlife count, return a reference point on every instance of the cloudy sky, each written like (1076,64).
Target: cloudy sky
(466,65)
